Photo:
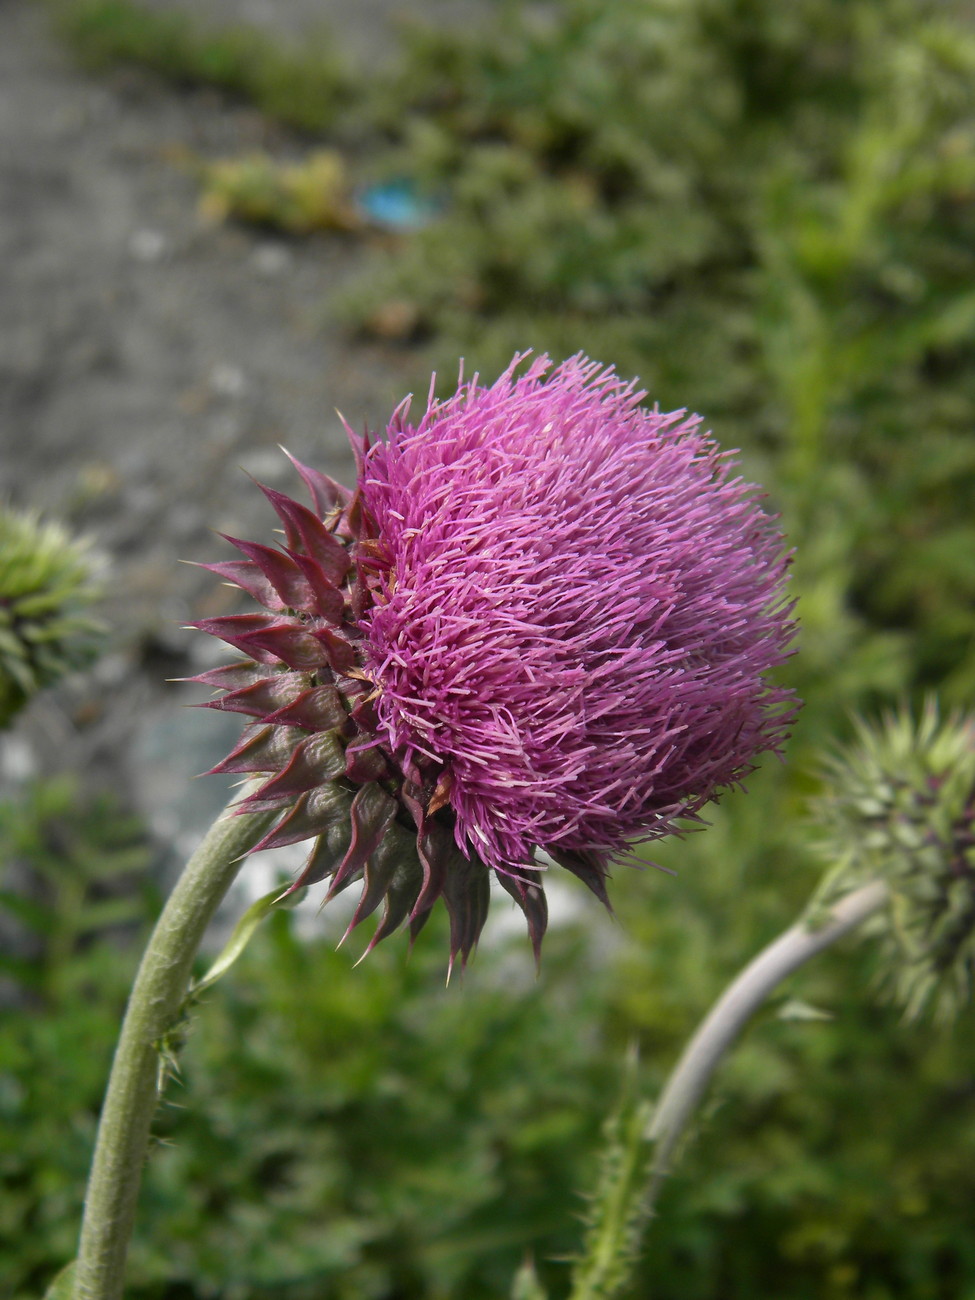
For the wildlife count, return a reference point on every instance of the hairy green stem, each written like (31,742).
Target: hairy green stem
(625,1199)
(723,1023)
(154,1008)
(616,1215)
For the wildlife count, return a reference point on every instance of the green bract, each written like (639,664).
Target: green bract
(900,806)
(45,586)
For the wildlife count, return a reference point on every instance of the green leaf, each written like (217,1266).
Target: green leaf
(794,1009)
(34,915)
(20,969)
(63,1285)
(244,931)
(526,1284)
(108,912)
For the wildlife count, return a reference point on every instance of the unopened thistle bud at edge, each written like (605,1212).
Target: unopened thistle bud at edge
(899,806)
(48,580)
(543,620)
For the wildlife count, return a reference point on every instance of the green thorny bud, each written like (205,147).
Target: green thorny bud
(899,806)
(46,583)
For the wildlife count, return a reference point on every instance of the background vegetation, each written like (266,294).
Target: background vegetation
(767,212)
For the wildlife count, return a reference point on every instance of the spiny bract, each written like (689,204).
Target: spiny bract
(898,805)
(542,621)
(48,579)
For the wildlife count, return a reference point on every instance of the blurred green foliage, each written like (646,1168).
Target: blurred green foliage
(766,210)
(349,1135)
(295,197)
(72,884)
(68,863)
(302,87)
(834,1159)
(340,1134)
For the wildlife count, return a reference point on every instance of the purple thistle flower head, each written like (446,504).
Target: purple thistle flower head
(544,621)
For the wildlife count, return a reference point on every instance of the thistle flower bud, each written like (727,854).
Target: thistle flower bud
(46,582)
(899,806)
(543,621)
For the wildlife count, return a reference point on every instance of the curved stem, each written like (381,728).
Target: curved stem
(154,1007)
(690,1077)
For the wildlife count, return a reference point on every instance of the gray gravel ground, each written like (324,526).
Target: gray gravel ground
(146,355)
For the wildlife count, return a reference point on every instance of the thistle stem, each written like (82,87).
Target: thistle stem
(613,1242)
(723,1023)
(154,1008)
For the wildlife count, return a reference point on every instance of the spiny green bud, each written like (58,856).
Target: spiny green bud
(46,582)
(899,806)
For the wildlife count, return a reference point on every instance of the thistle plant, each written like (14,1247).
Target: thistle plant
(538,630)
(542,624)
(46,586)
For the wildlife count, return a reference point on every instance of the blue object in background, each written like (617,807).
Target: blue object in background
(396,205)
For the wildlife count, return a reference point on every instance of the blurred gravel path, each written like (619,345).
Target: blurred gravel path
(364,29)
(144,356)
